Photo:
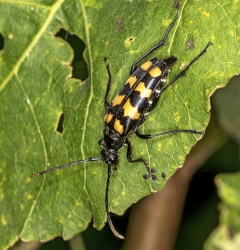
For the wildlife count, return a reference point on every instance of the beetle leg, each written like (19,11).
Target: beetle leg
(174,131)
(110,80)
(182,73)
(129,158)
(158,45)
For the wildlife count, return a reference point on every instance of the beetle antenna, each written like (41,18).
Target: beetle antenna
(107,210)
(64,166)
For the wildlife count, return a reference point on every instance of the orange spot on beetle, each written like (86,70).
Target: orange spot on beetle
(131,111)
(118,100)
(108,117)
(155,72)
(118,126)
(146,65)
(131,80)
(144,92)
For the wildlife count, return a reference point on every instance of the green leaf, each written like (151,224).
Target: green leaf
(35,89)
(226,235)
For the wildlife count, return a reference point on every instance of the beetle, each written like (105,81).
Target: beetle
(129,109)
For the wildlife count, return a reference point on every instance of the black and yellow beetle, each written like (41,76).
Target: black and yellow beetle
(137,98)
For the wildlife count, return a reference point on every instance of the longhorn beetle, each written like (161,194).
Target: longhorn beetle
(137,98)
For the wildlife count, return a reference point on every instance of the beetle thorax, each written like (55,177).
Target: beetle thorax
(113,141)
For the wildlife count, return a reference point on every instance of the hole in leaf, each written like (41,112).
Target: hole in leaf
(1,42)
(60,124)
(80,70)
(128,41)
